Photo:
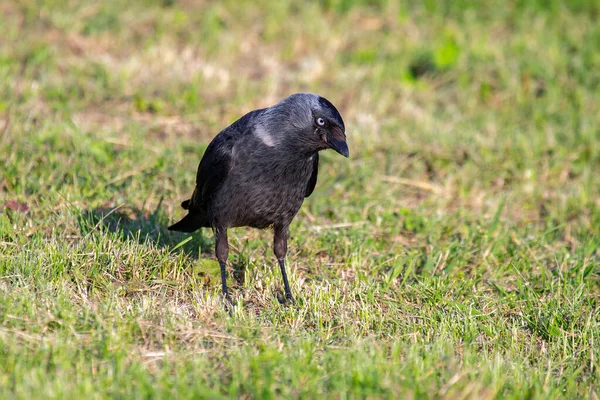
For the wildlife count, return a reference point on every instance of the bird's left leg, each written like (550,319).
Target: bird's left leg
(280,248)
(222,251)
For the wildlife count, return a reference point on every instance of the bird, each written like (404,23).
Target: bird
(258,171)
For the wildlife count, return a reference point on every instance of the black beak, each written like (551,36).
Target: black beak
(337,141)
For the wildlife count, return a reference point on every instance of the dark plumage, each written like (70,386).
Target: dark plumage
(257,172)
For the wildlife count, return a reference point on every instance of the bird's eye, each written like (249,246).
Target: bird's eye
(320,121)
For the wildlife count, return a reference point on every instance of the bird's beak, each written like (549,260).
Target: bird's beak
(336,139)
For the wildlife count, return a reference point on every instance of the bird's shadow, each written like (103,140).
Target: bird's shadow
(129,223)
(145,227)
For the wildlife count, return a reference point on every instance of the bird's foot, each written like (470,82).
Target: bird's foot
(286,298)
(228,303)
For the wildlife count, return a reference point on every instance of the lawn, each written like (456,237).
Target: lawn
(456,254)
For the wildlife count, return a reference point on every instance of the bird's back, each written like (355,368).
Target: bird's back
(245,180)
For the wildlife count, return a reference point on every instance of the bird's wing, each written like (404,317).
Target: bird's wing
(216,163)
(212,171)
(312,182)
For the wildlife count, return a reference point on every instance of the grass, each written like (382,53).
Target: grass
(455,255)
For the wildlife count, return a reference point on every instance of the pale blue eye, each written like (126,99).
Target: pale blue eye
(320,121)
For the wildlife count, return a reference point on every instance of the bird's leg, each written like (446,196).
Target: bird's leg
(280,248)
(222,252)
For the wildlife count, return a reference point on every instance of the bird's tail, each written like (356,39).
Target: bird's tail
(190,223)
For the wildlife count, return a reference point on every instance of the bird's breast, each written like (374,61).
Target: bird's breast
(263,192)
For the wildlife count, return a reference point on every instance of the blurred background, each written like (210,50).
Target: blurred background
(466,99)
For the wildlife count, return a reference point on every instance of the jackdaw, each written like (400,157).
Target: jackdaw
(257,172)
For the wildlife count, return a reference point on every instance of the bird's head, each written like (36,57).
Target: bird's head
(329,126)
(316,123)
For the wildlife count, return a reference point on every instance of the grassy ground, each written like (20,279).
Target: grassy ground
(455,255)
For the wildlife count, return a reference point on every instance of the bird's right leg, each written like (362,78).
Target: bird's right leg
(222,252)
(280,249)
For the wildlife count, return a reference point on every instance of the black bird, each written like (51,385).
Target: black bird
(257,172)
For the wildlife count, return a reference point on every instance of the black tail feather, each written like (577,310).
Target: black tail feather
(186,204)
(190,223)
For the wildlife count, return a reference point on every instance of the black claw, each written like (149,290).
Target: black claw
(289,298)
(228,303)
(285,298)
